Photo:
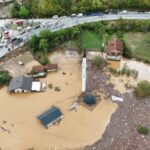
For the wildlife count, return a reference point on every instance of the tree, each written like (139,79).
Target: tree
(43,45)
(4,77)
(43,58)
(33,43)
(24,12)
(46,34)
(15,10)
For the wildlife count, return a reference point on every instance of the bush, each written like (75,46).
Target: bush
(142,89)
(142,130)
(4,77)
(129,72)
(23,12)
(98,62)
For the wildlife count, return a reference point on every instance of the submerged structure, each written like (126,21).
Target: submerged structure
(25,84)
(51,116)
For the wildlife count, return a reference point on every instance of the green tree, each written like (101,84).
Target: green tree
(43,58)
(15,10)
(33,43)
(24,12)
(4,77)
(43,45)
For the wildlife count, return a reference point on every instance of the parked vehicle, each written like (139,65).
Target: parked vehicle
(80,15)
(73,15)
(55,17)
(114,12)
(36,27)
(124,12)
(92,14)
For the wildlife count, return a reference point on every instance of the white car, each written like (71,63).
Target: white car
(80,15)
(55,17)
(73,15)
(124,12)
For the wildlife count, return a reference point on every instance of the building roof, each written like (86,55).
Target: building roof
(50,116)
(38,69)
(36,86)
(90,99)
(52,66)
(114,44)
(22,82)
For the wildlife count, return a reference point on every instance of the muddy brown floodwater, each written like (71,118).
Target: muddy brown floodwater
(18,113)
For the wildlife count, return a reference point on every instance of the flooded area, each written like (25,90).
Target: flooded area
(113,64)
(18,112)
(121,82)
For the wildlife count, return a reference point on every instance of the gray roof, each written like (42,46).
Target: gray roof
(22,82)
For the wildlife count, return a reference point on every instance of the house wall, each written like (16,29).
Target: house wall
(52,70)
(47,126)
(110,57)
(21,91)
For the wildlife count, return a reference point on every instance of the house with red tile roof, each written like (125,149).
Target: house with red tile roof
(114,49)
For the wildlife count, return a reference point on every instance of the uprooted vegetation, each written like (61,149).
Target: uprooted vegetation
(124,71)
(98,62)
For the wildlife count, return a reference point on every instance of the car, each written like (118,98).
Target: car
(55,17)
(93,14)
(106,11)
(13,40)
(23,32)
(73,15)
(36,27)
(124,12)
(79,14)
(114,12)
(141,11)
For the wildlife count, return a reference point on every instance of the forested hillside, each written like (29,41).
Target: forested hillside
(47,8)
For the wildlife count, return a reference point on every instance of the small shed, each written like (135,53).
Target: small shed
(51,67)
(39,71)
(51,116)
(89,100)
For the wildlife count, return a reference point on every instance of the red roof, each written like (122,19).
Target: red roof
(114,44)
(52,66)
(39,69)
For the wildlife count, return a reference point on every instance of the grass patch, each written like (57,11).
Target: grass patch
(90,40)
(87,39)
(139,44)
(142,130)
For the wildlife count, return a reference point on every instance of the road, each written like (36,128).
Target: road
(66,22)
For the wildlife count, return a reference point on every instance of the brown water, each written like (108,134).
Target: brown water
(113,64)
(76,128)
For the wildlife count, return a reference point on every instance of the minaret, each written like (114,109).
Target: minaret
(84,66)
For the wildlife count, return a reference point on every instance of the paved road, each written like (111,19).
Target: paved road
(60,23)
